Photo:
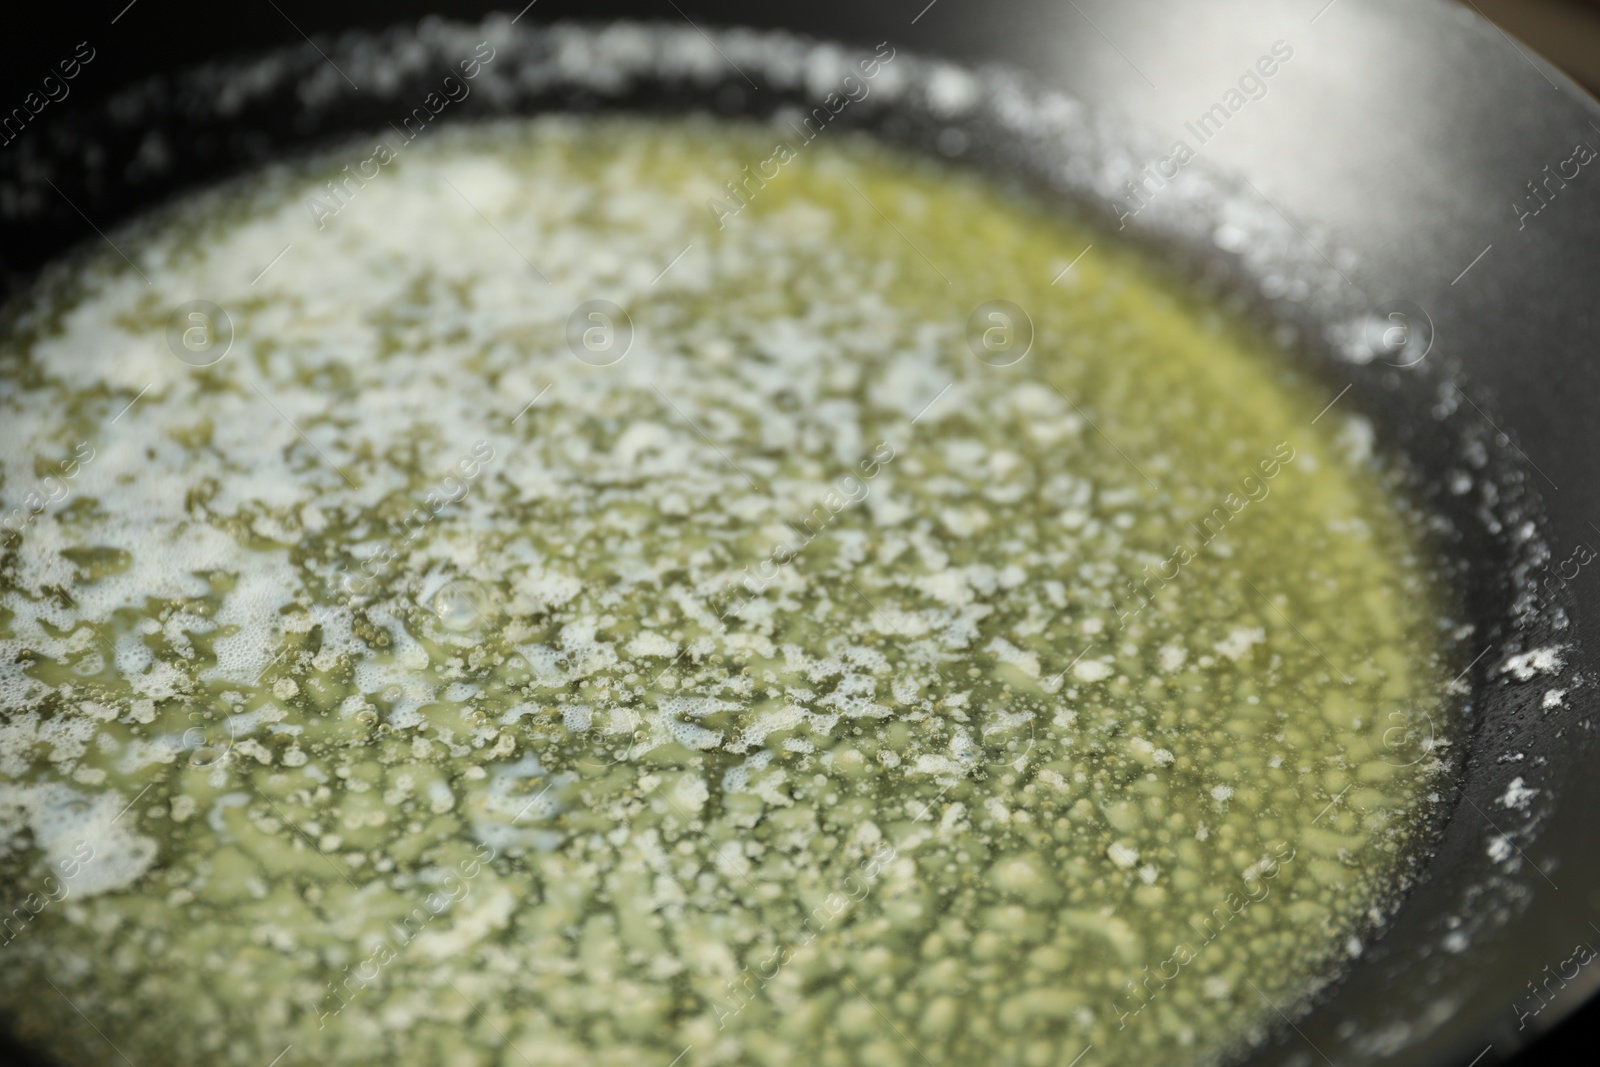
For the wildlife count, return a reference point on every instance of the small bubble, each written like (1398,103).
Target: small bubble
(208,756)
(459,605)
(199,333)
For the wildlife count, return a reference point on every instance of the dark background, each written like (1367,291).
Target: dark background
(148,36)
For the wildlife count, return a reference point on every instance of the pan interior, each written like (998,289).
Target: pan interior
(795,584)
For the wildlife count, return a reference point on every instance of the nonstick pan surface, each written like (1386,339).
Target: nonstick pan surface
(1389,166)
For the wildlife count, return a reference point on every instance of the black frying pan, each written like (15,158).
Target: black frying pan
(1397,155)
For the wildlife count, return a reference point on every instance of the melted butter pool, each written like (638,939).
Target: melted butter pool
(571,611)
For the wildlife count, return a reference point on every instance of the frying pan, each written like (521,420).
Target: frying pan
(1388,170)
